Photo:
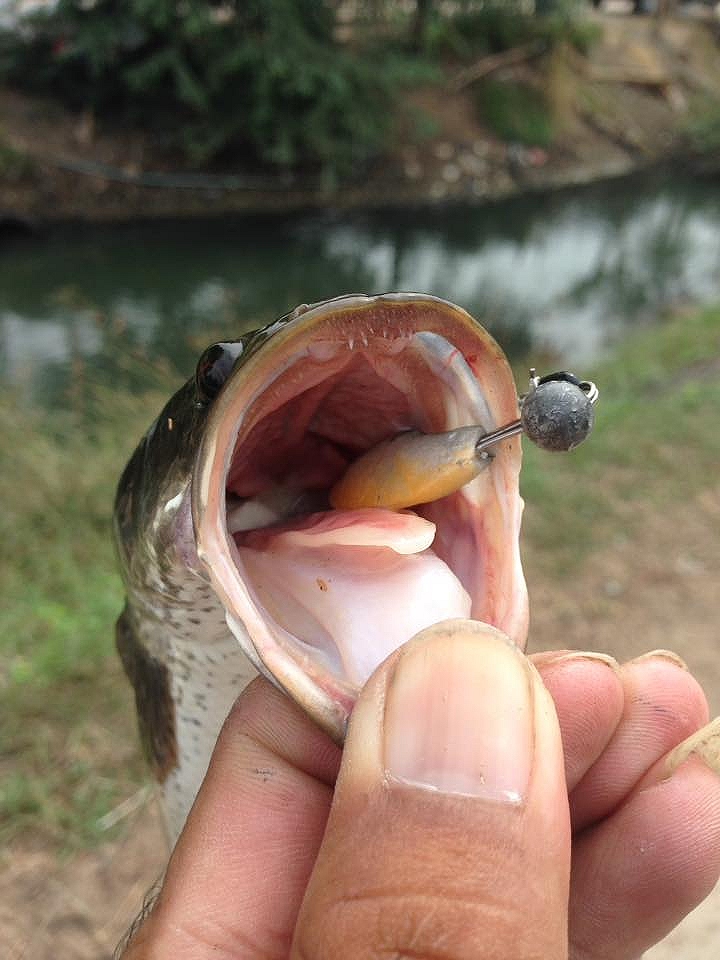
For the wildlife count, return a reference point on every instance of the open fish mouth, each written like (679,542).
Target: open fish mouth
(318,597)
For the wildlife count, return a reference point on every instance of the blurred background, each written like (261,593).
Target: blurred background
(174,171)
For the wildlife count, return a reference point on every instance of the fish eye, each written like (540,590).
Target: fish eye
(214,367)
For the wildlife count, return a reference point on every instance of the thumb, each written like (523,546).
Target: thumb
(449,834)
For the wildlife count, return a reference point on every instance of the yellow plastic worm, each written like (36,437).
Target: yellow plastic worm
(410,469)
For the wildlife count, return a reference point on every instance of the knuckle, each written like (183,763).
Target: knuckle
(405,924)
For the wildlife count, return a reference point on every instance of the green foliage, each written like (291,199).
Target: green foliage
(267,81)
(265,78)
(583,34)
(484,27)
(14,165)
(703,125)
(515,112)
(478,29)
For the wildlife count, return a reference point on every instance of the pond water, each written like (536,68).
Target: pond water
(556,278)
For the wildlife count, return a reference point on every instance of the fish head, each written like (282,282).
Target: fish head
(154,533)
(317,597)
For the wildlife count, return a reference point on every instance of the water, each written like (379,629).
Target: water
(559,278)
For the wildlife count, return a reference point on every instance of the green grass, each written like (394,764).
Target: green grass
(72,756)
(67,731)
(702,124)
(516,112)
(69,746)
(656,442)
(14,165)
(497,26)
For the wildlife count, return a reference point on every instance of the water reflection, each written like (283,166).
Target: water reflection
(562,276)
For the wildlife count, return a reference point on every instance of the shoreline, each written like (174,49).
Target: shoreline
(645,96)
(136,203)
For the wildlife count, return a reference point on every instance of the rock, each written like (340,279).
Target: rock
(443,150)
(451,173)
(472,165)
(412,170)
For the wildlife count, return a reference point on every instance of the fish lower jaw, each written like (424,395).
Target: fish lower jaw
(334,593)
(350,587)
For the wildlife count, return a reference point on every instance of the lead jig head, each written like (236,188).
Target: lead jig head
(557,412)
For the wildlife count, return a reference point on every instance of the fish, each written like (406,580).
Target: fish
(235,561)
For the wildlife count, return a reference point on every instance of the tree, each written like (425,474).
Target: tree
(423,12)
(263,77)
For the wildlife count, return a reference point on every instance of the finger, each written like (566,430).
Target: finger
(589,699)
(663,705)
(238,873)
(638,873)
(449,833)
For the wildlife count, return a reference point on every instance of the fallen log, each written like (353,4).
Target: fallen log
(495,61)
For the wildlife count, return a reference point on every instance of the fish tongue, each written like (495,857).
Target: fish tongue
(352,585)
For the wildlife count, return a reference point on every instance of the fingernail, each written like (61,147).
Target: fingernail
(667,655)
(459,714)
(704,744)
(552,658)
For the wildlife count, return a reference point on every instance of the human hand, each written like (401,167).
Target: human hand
(459,801)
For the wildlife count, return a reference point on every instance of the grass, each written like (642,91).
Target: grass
(14,165)
(496,26)
(67,729)
(702,126)
(516,112)
(655,443)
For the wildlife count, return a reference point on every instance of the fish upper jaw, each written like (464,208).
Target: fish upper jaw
(318,598)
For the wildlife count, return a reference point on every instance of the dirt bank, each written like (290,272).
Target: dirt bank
(625,105)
